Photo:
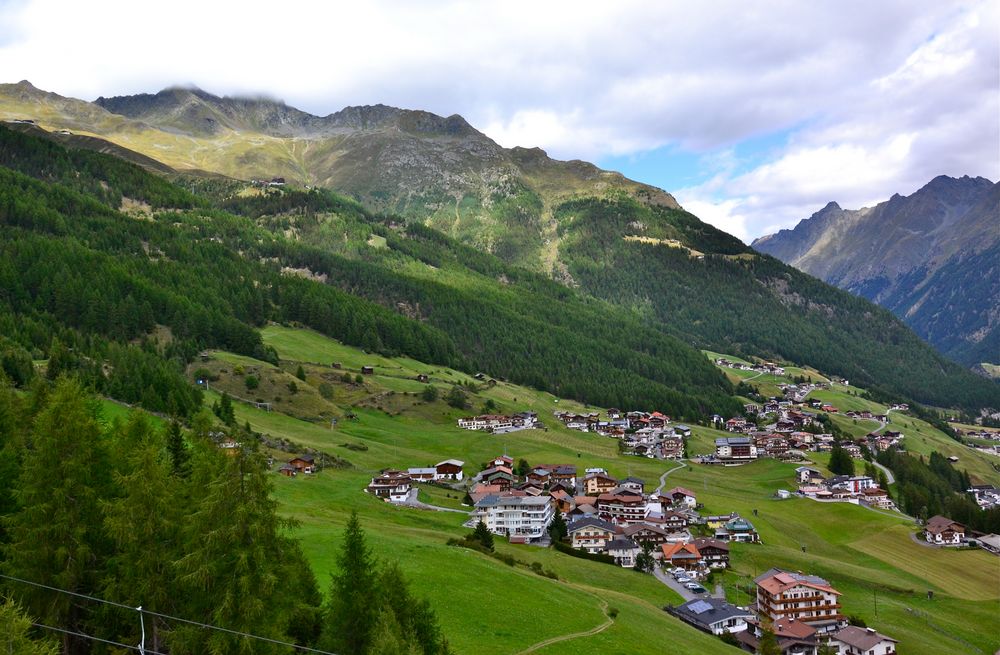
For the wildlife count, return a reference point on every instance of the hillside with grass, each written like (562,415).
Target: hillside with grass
(868,555)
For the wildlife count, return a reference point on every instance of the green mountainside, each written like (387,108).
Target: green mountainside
(931,258)
(658,270)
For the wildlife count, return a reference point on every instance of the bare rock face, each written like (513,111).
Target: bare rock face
(930,257)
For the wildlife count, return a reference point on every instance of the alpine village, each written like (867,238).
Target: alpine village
(388,381)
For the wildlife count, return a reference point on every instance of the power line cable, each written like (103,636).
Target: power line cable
(165,616)
(93,638)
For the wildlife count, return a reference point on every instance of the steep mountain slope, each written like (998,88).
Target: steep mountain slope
(656,269)
(930,257)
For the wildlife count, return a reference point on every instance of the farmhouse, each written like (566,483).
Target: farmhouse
(713,615)
(683,497)
(645,533)
(449,469)
(714,552)
(304,464)
(807,598)
(943,531)
(806,475)
(634,484)
(421,474)
(738,529)
(793,637)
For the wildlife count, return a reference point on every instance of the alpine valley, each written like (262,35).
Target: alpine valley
(371,384)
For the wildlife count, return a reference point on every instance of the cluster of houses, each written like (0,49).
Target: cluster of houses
(765,367)
(273,182)
(859,489)
(802,610)
(646,434)
(500,423)
(394,486)
(986,495)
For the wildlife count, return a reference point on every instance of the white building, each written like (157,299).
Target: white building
(853,640)
(522,518)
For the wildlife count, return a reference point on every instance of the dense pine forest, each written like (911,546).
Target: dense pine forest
(135,515)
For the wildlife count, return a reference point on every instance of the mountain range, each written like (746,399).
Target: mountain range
(932,258)
(554,274)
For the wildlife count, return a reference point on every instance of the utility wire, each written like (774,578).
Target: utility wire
(93,638)
(162,616)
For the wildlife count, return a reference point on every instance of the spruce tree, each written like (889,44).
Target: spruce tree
(557,529)
(180,458)
(351,612)
(300,373)
(840,462)
(483,535)
(144,523)
(57,537)
(768,643)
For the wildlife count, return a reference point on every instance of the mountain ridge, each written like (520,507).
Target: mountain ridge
(894,254)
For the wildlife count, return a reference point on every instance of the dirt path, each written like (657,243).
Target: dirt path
(573,635)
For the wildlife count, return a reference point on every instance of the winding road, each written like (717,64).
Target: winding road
(663,478)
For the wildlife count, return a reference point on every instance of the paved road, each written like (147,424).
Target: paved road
(413,502)
(663,478)
(685,593)
(888,473)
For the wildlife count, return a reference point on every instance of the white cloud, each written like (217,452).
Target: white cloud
(879,97)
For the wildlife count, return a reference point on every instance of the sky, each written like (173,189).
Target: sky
(753,115)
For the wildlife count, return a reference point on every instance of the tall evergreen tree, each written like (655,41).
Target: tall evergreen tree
(57,536)
(180,458)
(233,569)
(144,523)
(840,462)
(351,612)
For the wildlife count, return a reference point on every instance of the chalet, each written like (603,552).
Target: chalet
(682,555)
(714,552)
(540,476)
(752,408)
(367,370)
(990,543)
(304,464)
(876,497)
(854,484)
(674,521)
(738,529)
(793,637)
(564,502)
(717,521)
(503,460)
(288,470)
(645,533)
(736,425)
(622,508)
(449,469)
(422,474)
(806,598)
(531,490)
(598,483)
(713,615)
(624,550)
(717,420)
(852,640)
(682,431)
(391,486)
(565,474)
(852,449)
(806,475)
(634,484)
(943,531)
(563,486)
(672,448)
(480,491)
(735,449)
(590,533)
(500,476)
(683,497)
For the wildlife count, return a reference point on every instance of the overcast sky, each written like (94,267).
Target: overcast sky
(753,114)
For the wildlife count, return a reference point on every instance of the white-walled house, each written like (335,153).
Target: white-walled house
(853,640)
(520,518)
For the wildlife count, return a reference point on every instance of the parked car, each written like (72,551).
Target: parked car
(684,580)
(679,571)
(695,587)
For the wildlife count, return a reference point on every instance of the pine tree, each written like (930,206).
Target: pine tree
(483,535)
(840,462)
(300,373)
(351,613)
(226,413)
(57,537)
(144,524)
(180,458)
(15,627)
(557,529)
(417,622)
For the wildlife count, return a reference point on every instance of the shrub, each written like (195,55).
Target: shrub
(251,382)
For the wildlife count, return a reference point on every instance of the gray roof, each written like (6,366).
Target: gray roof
(864,639)
(621,543)
(632,478)
(587,521)
(704,612)
(515,501)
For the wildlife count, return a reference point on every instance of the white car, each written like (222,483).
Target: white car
(679,571)
(684,581)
